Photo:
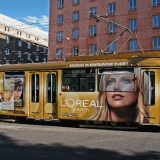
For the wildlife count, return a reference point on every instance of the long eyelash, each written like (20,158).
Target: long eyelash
(134,79)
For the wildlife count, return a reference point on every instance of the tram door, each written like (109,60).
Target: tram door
(43,95)
(151,92)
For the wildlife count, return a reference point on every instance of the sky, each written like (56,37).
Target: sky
(32,12)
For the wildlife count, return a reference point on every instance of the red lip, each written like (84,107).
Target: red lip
(117,96)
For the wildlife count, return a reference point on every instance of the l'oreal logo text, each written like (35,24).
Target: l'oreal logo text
(78,103)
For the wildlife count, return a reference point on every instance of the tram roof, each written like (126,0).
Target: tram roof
(149,59)
(101,56)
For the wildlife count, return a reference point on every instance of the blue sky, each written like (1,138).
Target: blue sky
(32,12)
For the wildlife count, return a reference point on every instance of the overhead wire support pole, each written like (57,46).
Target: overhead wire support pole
(104,20)
(113,41)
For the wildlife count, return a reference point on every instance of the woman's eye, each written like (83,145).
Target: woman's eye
(126,80)
(110,81)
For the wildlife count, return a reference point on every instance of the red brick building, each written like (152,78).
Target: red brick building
(73,32)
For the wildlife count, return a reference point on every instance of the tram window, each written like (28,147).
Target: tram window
(78,80)
(35,88)
(149,88)
(116,79)
(51,88)
(14,74)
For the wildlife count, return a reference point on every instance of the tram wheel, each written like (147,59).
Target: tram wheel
(113,124)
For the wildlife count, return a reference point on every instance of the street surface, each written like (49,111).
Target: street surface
(46,142)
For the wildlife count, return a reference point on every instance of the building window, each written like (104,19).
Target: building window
(6,28)
(7,61)
(7,39)
(155,2)
(60,19)
(44,59)
(156,21)
(133,24)
(60,36)
(37,48)
(37,58)
(29,46)
(28,36)
(60,3)
(75,16)
(93,49)
(93,30)
(19,43)
(7,51)
(19,33)
(59,52)
(113,47)
(112,28)
(132,5)
(75,51)
(29,56)
(76,1)
(112,8)
(19,54)
(93,10)
(133,45)
(76,33)
(36,38)
(44,50)
(156,43)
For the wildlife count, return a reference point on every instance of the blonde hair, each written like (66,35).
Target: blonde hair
(102,113)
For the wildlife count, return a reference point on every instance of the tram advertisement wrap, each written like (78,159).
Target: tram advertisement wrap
(76,106)
(11,93)
(121,97)
(18,91)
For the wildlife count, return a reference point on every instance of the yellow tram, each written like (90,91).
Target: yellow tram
(112,88)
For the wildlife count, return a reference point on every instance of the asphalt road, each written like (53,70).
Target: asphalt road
(44,142)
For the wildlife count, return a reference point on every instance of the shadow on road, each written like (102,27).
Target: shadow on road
(10,150)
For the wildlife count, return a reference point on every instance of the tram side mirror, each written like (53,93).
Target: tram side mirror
(65,88)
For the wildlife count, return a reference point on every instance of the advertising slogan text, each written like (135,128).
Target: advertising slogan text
(100,64)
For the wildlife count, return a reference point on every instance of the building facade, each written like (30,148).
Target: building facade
(21,43)
(73,32)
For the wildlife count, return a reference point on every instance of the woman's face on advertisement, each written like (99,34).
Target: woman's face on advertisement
(7,95)
(121,89)
(18,92)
